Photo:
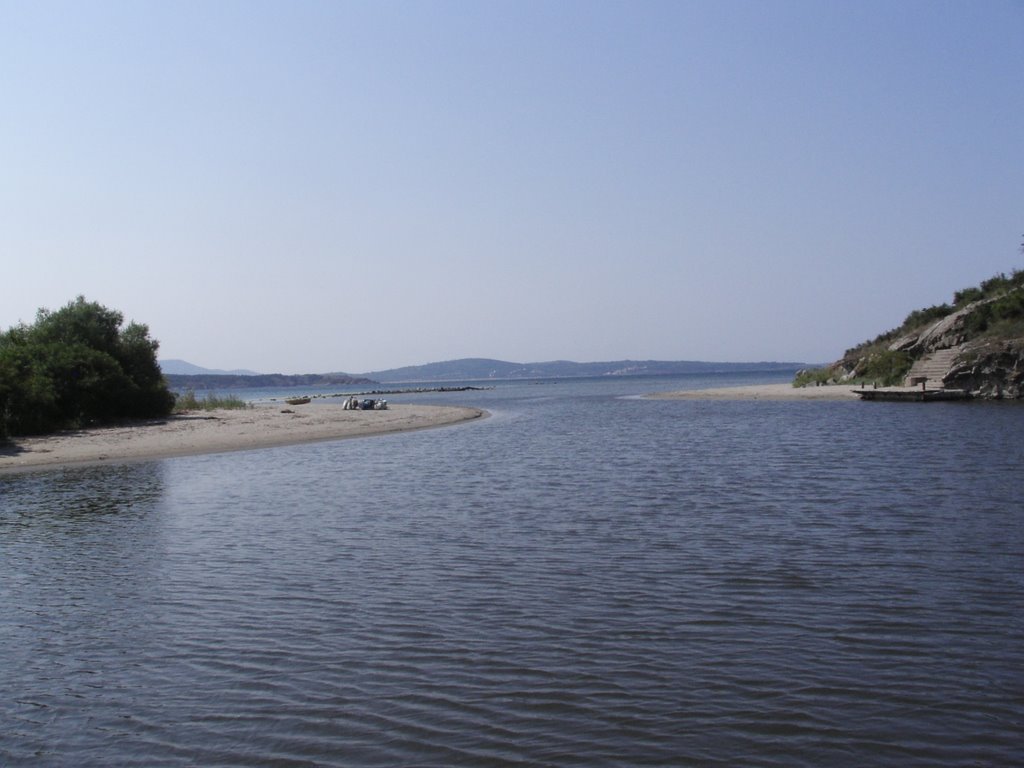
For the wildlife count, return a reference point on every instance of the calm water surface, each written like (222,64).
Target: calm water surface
(585,578)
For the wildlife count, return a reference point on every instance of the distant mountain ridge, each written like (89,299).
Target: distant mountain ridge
(185,368)
(475,368)
(181,374)
(180,381)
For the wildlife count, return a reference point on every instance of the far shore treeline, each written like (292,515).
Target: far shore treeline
(76,367)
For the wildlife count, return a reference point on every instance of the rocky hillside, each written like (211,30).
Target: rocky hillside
(975,344)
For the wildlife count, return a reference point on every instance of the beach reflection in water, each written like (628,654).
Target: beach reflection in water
(582,579)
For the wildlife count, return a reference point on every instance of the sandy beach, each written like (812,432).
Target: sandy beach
(785,391)
(218,431)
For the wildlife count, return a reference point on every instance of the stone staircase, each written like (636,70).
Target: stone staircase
(933,367)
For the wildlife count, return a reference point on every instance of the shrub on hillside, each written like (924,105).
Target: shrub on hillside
(921,317)
(814,377)
(1006,309)
(886,367)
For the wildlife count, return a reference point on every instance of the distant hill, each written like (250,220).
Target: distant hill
(183,367)
(180,382)
(182,375)
(472,369)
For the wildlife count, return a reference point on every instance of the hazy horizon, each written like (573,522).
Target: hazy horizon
(215,370)
(343,186)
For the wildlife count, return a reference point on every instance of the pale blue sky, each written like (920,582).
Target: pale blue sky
(307,186)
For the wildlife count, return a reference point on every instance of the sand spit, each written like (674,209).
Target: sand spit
(785,391)
(218,431)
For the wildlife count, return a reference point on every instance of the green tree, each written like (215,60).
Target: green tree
(78,366)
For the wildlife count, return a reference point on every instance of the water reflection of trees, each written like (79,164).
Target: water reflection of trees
(69,497)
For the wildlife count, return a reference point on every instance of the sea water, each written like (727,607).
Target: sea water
(585,578)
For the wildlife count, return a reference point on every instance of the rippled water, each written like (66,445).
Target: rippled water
(582,579)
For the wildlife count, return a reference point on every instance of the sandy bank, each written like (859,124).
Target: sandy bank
(219,431)
(785,391)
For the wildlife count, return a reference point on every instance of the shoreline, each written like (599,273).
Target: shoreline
(784,391)
(219,431)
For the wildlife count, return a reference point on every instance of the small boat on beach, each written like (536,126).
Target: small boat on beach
(297,400)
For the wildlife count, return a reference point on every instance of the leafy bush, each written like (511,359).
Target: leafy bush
(77,366)
(994,286)
(967,295)
(812,377)
(924,316)
(887,368)
(997,314)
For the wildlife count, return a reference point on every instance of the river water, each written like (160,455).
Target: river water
(586,578)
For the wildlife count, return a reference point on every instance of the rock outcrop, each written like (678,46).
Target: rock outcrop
(950,353)
(989,368)
(947,333)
